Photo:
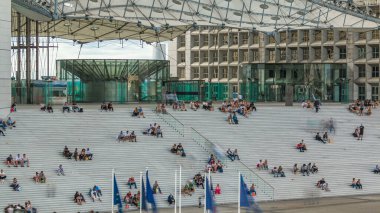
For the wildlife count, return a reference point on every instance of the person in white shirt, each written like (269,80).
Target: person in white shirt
(2,176)
(24,160)
(88,154)
(18,160)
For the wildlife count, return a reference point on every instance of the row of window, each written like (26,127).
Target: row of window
(362,71)
(374,94)
(284,37)
(375,72)
(362,54)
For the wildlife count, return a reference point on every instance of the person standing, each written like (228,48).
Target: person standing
(361,132)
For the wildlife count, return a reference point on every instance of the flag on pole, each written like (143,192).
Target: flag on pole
(246,199)
(244,194)
(143,196)
(116,195)
(149,194)
(209,197)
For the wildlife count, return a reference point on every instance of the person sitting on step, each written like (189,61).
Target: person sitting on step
(304,170)
(104,107)
(314,168)
(24,160)
(325,137)
(141,112)
(135,200)
(67,153)
(78,198)
(265,165)
(2,176)
(356,132)
(319,138)
(110,106)
(88,154)
(170,199)
(322,184)
(174,149)
(94,196)
(128,198)
(10,161)
(131,182)
(42,177)
(189,188)
(301,146)
(36,177)
(353,183)
(158,131)
(199,180)
(135,112)
(377,169)
(280,172)
(49,108)
(219,166)
(236,155)
(295,169)
(43,107)
(97,190)
(82,154)
(76,107)
(65,107)
(15,185)
(359,184)
(179,149)
(11,123)
(230,154)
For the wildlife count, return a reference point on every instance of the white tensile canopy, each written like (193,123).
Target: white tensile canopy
(154,20)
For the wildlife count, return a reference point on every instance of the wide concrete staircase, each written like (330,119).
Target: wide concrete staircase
(272,132)
(42,136)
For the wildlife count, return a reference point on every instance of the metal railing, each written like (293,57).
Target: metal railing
(208,146)
(173,122)
(251,177)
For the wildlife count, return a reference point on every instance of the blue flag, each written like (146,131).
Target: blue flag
(209,197)
(149,194)
(116,195)
(244,195)
(246,199)
(143,196)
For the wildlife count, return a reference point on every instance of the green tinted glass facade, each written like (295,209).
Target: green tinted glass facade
(269,82)
(97,80)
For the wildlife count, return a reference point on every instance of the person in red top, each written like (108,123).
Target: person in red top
(128,198)
(131,182)
(218,191)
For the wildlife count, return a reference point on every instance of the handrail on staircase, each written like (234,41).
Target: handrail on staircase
(243,168)
(176,124)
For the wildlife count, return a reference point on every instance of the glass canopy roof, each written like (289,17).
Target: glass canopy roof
(153,20)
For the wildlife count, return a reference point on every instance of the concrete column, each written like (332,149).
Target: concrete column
(5,57)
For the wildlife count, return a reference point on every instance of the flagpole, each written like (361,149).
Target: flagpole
(180,193)
(209,180)
(204,207)
(113,173)
(141,180)
(239,193)
(175,191)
